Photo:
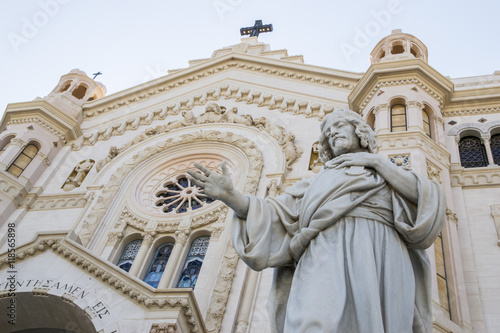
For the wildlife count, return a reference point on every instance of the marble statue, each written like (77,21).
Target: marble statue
(348,244)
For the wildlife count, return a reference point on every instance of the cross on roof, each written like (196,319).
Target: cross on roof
(257,28)
(96,74)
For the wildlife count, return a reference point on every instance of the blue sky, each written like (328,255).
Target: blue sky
(132,42)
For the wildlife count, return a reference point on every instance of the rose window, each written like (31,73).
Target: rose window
(180,196)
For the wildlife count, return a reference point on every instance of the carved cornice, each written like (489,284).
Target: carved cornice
(40,122)
(418,140)
(111,188)
(261,99)
(161,88)
(399,82)
(12,189)
(51,202)
(470,111)
(464,177)
(285,139)
(112,276)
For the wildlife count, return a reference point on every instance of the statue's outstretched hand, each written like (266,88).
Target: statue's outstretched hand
(215,185)
(220,187)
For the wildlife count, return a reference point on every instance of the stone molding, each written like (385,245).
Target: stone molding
(451,216)
(40,122)
(62,201)
(386,83)
(483,130)
(470,111)
(418,140)
(214,114)
(112,276)
(168,86)
(495,213)
(164,328)
(12,189)
(261,99)
(220,294)
(433,172)
(464,177)
(109,191)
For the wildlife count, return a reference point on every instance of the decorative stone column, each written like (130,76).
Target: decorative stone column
(414,119)
(485,140)
(181,237)
(149,236)
(382,119)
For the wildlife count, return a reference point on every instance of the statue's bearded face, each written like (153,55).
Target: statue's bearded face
(342,137)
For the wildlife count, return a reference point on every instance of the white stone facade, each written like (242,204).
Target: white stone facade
(102,161)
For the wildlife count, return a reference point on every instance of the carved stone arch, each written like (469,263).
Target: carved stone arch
(74,318)
(248,149)
(468,129)
(493,127)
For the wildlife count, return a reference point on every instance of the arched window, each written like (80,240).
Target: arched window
(80,91)
(427,122)
(23,159)
(472,153)
(370,120)
(158,264)
(398,118)
(5,143)
(495,148)
(66,86)
(193,263)
(128,254)
(442,278)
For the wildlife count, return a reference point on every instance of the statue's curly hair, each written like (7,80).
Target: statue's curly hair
(367,137)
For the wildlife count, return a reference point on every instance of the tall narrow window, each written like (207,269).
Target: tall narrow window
(442,279)
(158,264)
(128,254)
(472,153)
(495,148)
(398,118)
(193,263)
(23,159)
(427,123)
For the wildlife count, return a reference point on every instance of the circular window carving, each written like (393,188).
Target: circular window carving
(180,196)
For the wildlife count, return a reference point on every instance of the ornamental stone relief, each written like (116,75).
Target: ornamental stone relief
(217,114)
(284,104)
(110,190)
(110,275)
(433,172)
(92,112)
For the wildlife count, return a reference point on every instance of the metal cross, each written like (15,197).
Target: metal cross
(257,28)
(96,74)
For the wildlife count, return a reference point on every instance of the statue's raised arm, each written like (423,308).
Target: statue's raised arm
(220,187)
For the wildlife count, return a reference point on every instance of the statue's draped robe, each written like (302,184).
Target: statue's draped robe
(349,253)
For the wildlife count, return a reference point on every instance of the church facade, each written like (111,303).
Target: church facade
(102,231)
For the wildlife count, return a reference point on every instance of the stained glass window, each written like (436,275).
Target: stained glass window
(158,264)
(495,148)
(181,196)
(193,263)
(22,160)
(472,153)
(398,118)
(128,254)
